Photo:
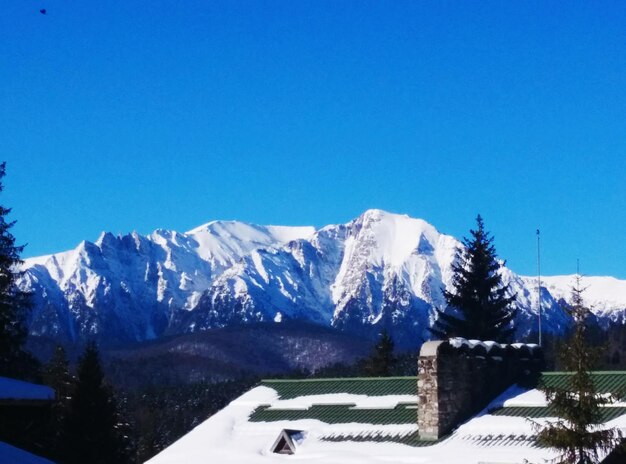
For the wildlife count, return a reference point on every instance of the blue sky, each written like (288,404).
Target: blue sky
(126,115)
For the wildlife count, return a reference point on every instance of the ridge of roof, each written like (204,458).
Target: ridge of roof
(336,379)
(591,372)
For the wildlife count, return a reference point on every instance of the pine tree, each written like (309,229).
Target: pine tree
(91,430)
(14,362)
(578,405)
(57,375)
(382,360)
(484,306)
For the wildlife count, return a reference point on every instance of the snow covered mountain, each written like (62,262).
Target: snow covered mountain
(380,269)
(129,287)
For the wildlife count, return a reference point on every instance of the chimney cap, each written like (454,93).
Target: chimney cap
(431,348)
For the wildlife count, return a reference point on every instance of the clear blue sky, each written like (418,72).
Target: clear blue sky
(127,115)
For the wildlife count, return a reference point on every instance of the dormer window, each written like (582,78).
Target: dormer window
(287,441)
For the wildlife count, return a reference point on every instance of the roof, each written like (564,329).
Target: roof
(530,405)
(509,418)
(402,413)
(604,381)
(15,455)
(533,406)
(370,386)
(608,413)
(18,390)
(386,406)
(371,420)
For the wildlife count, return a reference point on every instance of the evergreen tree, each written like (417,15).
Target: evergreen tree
(56,374)
(91,431)
(14,362)
(382,360)
(576,435)
(480,305)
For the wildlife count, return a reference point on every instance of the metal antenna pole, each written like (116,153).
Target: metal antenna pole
(539,285)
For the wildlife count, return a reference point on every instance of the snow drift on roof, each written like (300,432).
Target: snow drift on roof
(12,389)
(13,455)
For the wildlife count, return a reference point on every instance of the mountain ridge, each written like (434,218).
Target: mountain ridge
(379,270)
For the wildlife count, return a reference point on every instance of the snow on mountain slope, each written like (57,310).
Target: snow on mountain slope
(606,296)
(129,287)
(391,262)
(223,241)
(290,282)
(381,269)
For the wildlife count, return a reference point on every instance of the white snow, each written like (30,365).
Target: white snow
(400,253)
(12,389)
(258,263)
(358,401)
(12,455)
(600,293)
(397,236)
(535,398)
(224,240)
(228,437)
(458,342)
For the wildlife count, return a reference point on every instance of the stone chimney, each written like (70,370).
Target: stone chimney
(458,378)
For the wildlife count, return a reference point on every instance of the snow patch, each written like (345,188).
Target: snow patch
(12,389)
(11,454)
(355,401)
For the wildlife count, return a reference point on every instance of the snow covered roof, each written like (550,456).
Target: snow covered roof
(507,423)
(13,455)
(373,420)
(532,404)
(382,409)
(12,389)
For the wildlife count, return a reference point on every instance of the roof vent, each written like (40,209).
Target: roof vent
(287,441)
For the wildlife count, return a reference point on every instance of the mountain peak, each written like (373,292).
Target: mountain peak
(208,226)
(104,238)
(396,237)
(381,214)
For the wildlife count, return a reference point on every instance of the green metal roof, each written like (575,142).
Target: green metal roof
(401,414)
(604,381)
(340,414)
(372,386)
(404,413)
(608,412)
(411,439)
